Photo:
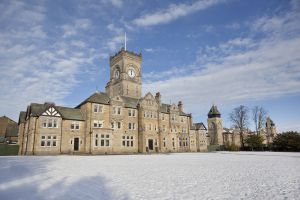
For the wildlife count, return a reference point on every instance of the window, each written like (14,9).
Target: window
(173,118)
(119,125)
(164,128)
(183,142)
(112,125)
(150,127)
(117,110)
(54,123)
(164,142)
(98,108)
(131,126)
(127,141)
(173,142)
(75,126)
(50,123)
(49,141)
(131,113)
(104,140)
(163,116)
(96,140)
(44,124)
(98,124)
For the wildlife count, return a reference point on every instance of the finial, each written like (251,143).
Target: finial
(97,89)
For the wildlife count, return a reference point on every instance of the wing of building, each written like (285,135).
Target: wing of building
(120,120)
(117,121)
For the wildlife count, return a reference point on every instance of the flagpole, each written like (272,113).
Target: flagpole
(125,41)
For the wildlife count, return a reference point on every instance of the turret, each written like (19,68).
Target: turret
(215,127)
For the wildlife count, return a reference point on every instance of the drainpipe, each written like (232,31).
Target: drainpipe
(27,136)
(34,136)
(90,151)
(22,144)
(61,126)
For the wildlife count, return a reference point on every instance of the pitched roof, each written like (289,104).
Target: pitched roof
(66,113)
(97,97)
(5,117)
(12,130)
(214,112)
(36,109)
(130,102)
(181,113)
(164,108)
(22,117)
(70,113)
(198,126)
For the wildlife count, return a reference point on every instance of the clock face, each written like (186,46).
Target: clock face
(117,74)
(131,73)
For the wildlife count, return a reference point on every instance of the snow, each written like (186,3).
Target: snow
(222,175)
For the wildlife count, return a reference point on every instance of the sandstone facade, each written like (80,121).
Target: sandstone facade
(118,121)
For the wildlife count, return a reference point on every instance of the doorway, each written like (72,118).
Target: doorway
(150,144)
(76,144)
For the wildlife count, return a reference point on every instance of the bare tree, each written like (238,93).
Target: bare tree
(259,115)
(240,120)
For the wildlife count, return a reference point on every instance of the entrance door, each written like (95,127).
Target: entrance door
(150,144)
(76,144)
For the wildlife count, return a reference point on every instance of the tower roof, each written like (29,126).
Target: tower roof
(214,112)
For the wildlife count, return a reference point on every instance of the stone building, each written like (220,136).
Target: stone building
(218,135)
(117,121)
(8,130)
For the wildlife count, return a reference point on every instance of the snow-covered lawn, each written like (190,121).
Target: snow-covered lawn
(223,175)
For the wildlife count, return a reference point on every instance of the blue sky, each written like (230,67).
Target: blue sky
(227,52)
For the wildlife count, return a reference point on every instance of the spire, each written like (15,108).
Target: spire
(214,112)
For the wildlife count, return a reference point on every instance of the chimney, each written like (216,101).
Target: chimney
(180,106)
(158,97)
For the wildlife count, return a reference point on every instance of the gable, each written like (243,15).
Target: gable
(149,96)
(51,112)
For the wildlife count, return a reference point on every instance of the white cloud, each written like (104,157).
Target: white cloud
(233,26)
(77,25)
(173,12)
(154,50)
(118,38)
(117,3)
(34,66)
(78,43)
(114,29)
(238,70)
(115,43)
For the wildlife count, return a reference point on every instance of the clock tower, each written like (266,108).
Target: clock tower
(125,75)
